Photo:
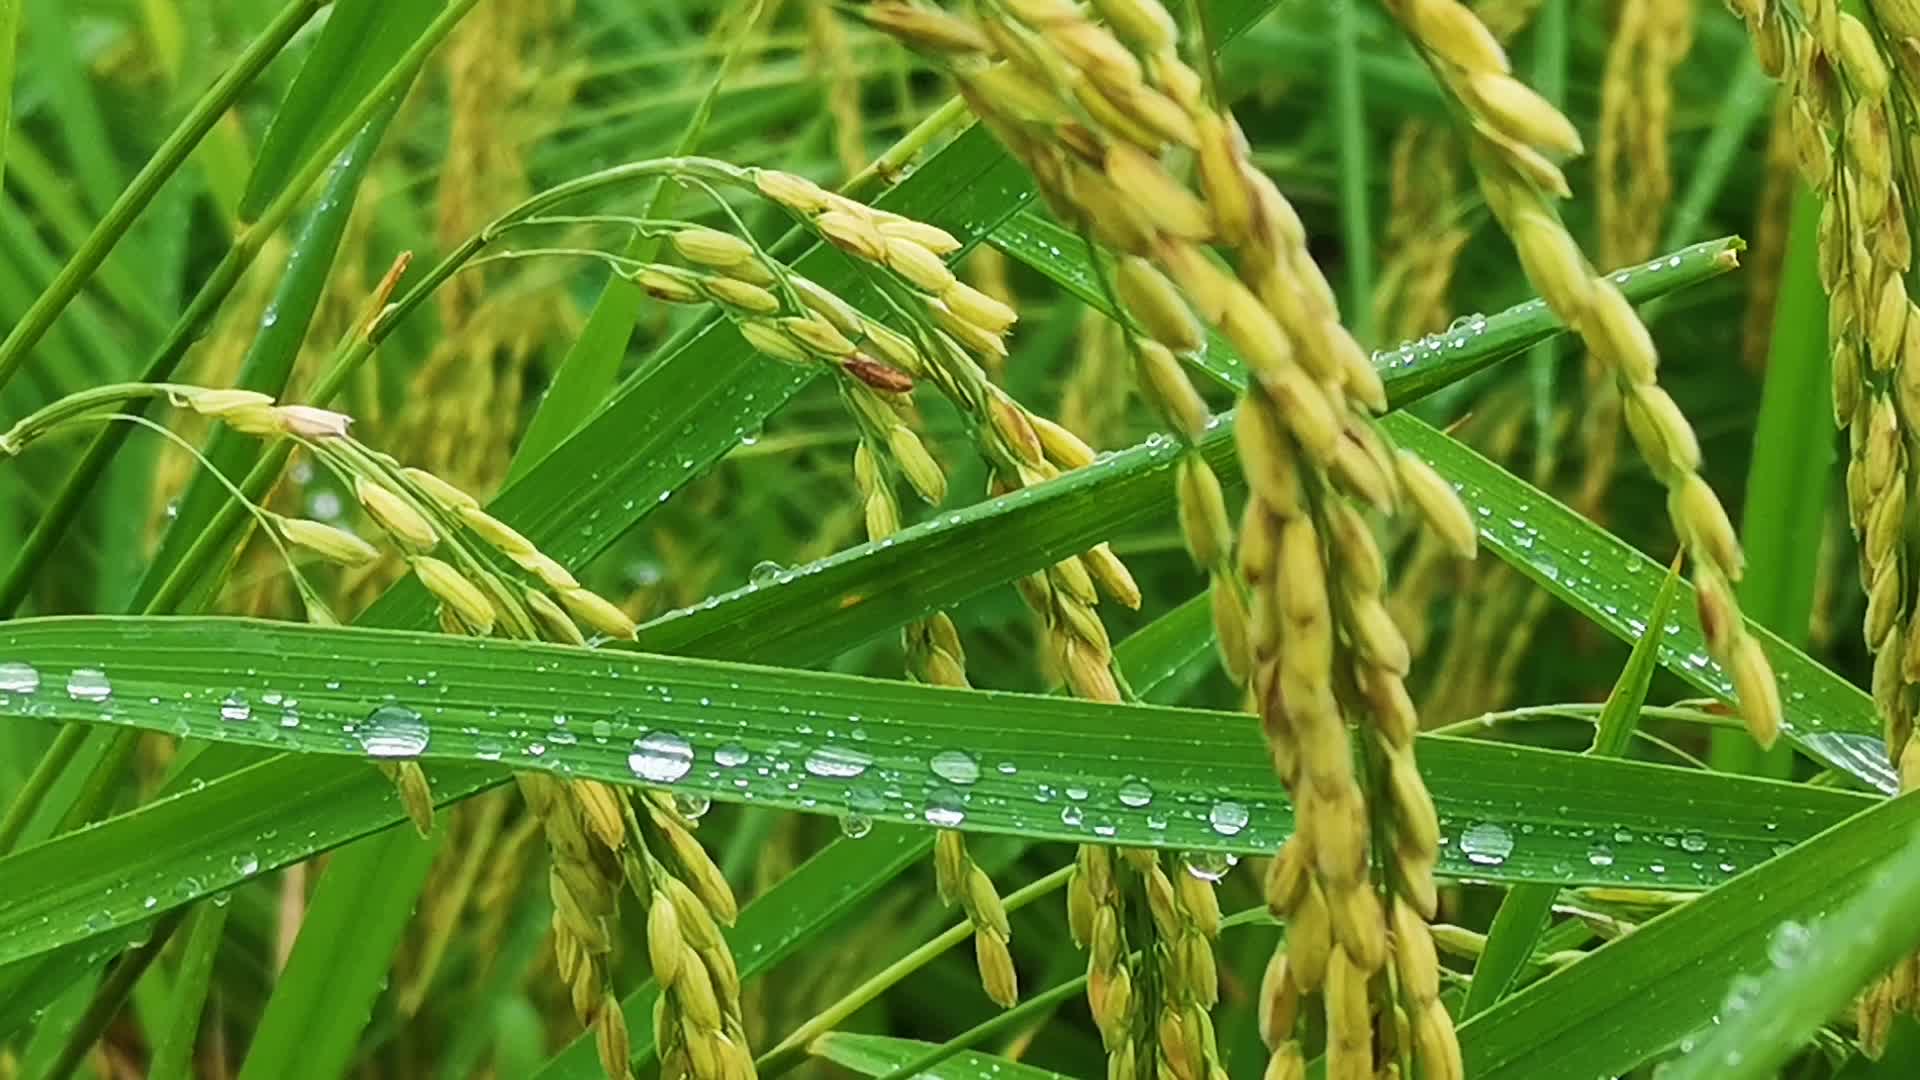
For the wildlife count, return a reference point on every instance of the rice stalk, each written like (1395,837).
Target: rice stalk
(1851,83)
(1515,137)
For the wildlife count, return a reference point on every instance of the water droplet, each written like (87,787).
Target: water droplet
(1693,841)
(729,755)
(945,808)
(692,804)
(246,864)
(955,767)
(1742,992)
(18,678)
(1600,855)
(394,731)
(661,757)
(1787,945)
(1071,816)
(89,684)
(236,708)
(838,763)
(1227,817)
(1135,792)
(1208,865)
(854,825)
(765,572)
(1486,844)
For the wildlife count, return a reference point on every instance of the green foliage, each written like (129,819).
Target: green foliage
(201,872)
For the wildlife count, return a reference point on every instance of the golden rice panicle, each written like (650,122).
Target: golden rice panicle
(1650,39)
(1517,134)
(698,1017)
(935,656)
(1119,179)
(1842,105)
(914,252)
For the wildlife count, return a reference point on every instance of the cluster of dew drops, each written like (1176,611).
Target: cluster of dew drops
(392,730)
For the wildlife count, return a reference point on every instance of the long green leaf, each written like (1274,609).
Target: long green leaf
(877,1055)
(1049,767)
(1813,973)
(212,294)
(323,998)
(1613,585)
(219,97)
(268,364)
(9,42)
(1787,483)
(1670,978)
(362,41)
(172,1057)
(587,372)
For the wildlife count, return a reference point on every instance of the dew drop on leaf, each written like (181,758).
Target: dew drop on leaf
(1486,844)
(393,731)
(837,763)
(945,808)
(692,805)
(661,757)
(89,684)
(955,767)
(18,678)
(1208,865)
(1227,817)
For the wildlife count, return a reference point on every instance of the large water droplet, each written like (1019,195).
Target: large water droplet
(729,755)
(765,572)
(1227,817)
(837,763)
(661,757)
(1135,792)
(19,678)
(854,825)
(236,708)
(955,767)
(945,808)
(394,731)
(692,804)
(1787,945)
(1486,844)
(1600,855)
(89,684)
(1208,865)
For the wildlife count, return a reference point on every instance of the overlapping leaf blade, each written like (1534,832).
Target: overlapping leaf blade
(1048,767)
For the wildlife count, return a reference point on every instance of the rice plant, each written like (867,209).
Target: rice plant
(729,538)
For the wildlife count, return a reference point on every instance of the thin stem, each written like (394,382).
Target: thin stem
(793,1049)
(193,322)
(1356,210)
(949,116)
(45,773)
(119,217)
(112,992)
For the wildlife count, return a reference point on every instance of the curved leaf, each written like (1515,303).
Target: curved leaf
(1040,767)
